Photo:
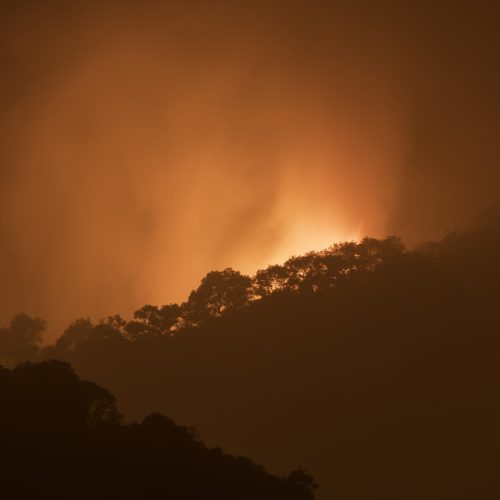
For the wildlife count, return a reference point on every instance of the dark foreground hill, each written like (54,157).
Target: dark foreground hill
(375,367)
(63,438)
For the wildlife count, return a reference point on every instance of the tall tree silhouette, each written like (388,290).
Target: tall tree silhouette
(154,320)
(219,292)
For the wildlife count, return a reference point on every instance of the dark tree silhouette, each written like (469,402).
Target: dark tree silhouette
(154,320)
(219,292)
(272,279)
(62,437)
(49,399)
(21,340)
(79,331)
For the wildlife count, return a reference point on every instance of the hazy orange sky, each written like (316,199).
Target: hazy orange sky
(144,144)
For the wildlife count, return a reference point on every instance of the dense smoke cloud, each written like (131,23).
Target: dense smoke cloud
(144,144)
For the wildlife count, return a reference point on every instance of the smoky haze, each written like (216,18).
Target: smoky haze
(144,144)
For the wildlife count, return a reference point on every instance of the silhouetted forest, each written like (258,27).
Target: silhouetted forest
(63,437)
(374,366)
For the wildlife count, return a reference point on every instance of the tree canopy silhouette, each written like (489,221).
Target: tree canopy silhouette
(63,437)
(21,340)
